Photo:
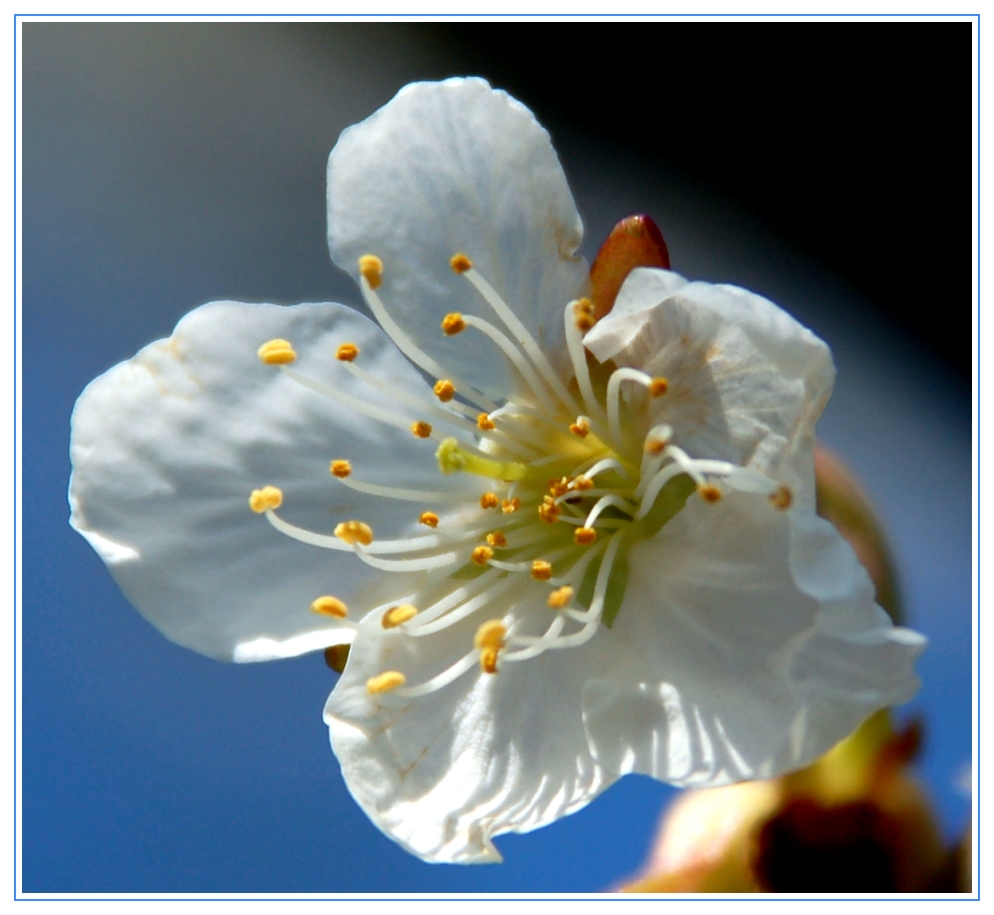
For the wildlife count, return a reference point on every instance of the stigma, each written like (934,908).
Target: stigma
(581,468)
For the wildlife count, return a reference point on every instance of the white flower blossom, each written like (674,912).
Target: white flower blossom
(596,554)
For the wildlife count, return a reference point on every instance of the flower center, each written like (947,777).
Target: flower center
(578,473)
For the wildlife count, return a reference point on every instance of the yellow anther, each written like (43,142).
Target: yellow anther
(335,656)
(585,535)
(584,307)
(582,484)
(560,597)
(488,660)
(460,263)
(397,615)
(709,492)
(548,511)
(482,555)
(541,570)
(445,390)
(265,498)
(497,539)
(485,423)
(490,635)
(340,469)
(782,498)
(453,324)
(510,505)
(583,315)
(581,428)
(330,606)
(429,518)
(347,352)
(277,352)
(656,446)
(371,268)
(489,500)
(384,682)
(658,387)
(421,429)
(353,532)
(559,487)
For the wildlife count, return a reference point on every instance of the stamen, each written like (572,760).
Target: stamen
(578,357)
(560,597)
(429,518)
(384,682)
(489,641)
(418,564)
(440,680)
(658,387)
(330,606)
(549,511)
(497,539)
(606,502)
(510,505)
(421,429)
(276,352)
(268,497)
(709,492)
(538,646)
(584,536)
(397,615)
(482,555)
(489,500)
(782,498)
(614,397)
(460,263)
(347,352)
(583,315)
(371,269)
(453,324)
(406,495)
(541,570)
(581,428)
(353,532)
(445,390)
(583,483)
(340,468)
(485,423)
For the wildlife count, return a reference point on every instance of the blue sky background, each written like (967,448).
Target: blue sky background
(166,166)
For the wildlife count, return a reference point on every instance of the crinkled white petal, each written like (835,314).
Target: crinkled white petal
(458,167)
(750,646)
(747,381)
(443,774)
(167,446)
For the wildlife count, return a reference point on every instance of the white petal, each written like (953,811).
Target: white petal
(167,447)
(489,753)
(458,167)
(738,663)
(747,382)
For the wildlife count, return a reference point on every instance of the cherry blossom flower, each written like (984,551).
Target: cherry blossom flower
(563,544)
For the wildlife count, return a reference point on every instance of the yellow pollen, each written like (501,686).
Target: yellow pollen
(585,535)
(559,488)
(265,498)
(347,352)
(353,532)
(397,615)
(489,500)
(429,518)
(421,429)
(460,263)
(371,268)
(490,635)
(560,597)
(583,315)
(277,352)
(482,555)
(510,505)
(658,387)
(782,498)
(488,660)
(445,390)
(453,324)
(541,570)
(497,539)
(709,492)
(582,484)
(330,606)
(581,428)
(656,446)
(548,511)
(485,423)
(384,682)
(340,469)
(335,657)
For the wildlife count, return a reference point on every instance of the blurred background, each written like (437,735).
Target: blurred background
(166,165)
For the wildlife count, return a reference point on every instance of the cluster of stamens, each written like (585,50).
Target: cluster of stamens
(574,480)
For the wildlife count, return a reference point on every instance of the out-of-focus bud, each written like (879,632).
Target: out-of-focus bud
(854,821)
(634,242)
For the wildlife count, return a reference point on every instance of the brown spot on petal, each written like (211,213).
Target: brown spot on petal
(634,242)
